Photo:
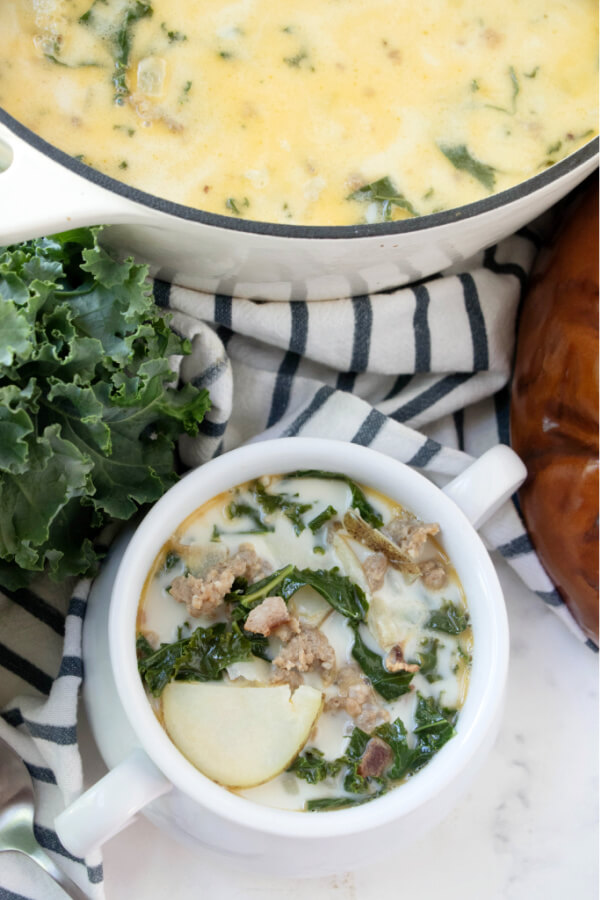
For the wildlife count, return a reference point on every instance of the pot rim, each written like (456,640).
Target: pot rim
(336,232)
(488,616)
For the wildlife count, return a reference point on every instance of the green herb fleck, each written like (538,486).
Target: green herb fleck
(171,560)
(296,61)
(234,205)
(173,36)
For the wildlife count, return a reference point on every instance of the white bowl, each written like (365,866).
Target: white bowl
(146,766)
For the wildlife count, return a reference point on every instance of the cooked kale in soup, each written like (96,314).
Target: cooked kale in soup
(305,641)
(314,113)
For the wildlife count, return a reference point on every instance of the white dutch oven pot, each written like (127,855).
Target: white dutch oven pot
(44,190)
(149,773)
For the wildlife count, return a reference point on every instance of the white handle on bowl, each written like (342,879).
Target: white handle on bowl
(110,805)
(488,483)
(38,196)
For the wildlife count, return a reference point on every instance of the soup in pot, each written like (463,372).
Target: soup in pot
(315,113)
(305,641)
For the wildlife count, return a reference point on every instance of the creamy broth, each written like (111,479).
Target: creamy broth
(413,625)
(328,112)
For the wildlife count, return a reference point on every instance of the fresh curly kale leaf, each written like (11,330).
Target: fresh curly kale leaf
(89,412)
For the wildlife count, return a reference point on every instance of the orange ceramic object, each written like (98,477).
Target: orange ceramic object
(554,416)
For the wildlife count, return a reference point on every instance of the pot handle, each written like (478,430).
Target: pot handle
(487,483)
(110,804)
(39,196)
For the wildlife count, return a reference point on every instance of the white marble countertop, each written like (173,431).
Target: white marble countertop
(527,830)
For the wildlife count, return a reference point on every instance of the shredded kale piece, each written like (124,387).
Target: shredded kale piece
(515,91)
(359,501)
(428,659)
(120,40)
(171,560)
(390,685)
(201,657)
(386,195)
(449,618)
(394,734)
(322,804)
(340,592)
(434,728)
(122,45)
(256,593)
(312,767)
(291,509)
(296,61)
(462,160)
(234,205)
(323,517)
(353,782)
(237,510)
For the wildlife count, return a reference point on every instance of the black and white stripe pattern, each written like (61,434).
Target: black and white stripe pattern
(419,373)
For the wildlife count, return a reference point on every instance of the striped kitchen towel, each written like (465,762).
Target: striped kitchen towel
(420,373)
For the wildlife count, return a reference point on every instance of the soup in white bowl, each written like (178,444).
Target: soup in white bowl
(305,641)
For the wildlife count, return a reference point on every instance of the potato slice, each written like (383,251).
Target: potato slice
(239,736)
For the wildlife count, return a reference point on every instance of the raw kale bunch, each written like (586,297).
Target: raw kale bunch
(88,416)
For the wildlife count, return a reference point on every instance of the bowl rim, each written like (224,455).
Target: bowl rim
(490,663)
(311,232)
